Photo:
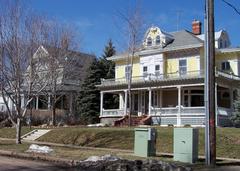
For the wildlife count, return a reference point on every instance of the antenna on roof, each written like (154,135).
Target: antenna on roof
(179,13)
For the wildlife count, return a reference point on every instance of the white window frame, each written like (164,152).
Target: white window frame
(181,67)
(145,73)
(157,72)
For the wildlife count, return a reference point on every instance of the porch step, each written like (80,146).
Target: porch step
(35,134)
(135,120)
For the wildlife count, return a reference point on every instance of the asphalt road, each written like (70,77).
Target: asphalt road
(13,164)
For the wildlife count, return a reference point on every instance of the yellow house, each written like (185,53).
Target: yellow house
(168,79)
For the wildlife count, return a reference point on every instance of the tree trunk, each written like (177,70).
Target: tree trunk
(18,131)
(53,113)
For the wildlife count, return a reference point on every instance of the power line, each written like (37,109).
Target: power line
(232,6)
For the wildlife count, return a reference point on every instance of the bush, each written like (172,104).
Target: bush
(236,114)
(187,125)
(170,125)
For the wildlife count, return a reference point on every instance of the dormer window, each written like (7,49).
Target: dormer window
(225,66)
(221,44)
(158,40)
(149,41)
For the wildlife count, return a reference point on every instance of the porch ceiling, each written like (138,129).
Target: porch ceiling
(153,83)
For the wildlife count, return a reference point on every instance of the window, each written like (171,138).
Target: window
(149,41)
(221,44)
(145,71)
(157,70)
(158,40)
(127,72)
(225,66)
(182,66)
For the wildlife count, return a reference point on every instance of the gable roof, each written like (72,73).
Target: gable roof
(218,34)
(183,38)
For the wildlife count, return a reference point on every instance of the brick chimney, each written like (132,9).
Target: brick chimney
(196,27)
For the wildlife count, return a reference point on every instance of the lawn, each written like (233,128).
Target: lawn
(11,132)
(228,139)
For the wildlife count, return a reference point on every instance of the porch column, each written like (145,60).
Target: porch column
(160,98)
(37,101)
(125,102)
(216,105)
(149,101)
(179,107)
(121,102)
(49,102)
(101,103)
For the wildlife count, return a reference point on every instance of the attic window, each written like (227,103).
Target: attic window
(158,40)
(221,44)
(149,41)
(226,66)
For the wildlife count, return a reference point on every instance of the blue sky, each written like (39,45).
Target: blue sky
(97,21)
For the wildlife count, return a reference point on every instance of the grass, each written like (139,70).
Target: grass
(228,139)
(11,132)
(73,153)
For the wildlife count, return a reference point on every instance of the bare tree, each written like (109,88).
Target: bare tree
(133,22)
(60,43)
(20,35)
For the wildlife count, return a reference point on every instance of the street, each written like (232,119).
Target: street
(12,164)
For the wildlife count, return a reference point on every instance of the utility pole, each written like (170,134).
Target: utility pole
(210,129)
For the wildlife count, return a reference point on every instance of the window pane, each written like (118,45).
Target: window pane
(157,40)
(145,69)
(157,67)
(183,62)
(149,41)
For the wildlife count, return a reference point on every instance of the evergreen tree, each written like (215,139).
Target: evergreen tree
(108,66)
(236,114)
(89,98)
(110,100)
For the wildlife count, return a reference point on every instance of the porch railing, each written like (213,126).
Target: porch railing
(168,76)
(153,77)
(175,111)
(113,112)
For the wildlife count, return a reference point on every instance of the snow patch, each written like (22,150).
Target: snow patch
(39,149)
(107,157)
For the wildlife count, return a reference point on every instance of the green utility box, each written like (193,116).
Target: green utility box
(145,142)
(185,145)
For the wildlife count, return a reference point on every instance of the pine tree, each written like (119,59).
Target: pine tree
(108,65)
(236,114)
(89,98)
(110,100)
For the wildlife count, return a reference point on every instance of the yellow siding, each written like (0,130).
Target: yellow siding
(192,64)
(172,65)
(120,68)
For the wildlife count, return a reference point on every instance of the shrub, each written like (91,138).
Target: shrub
(187,125)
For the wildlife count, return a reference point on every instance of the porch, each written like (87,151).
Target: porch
(176,105)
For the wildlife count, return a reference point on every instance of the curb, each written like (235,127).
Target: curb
(33,156)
